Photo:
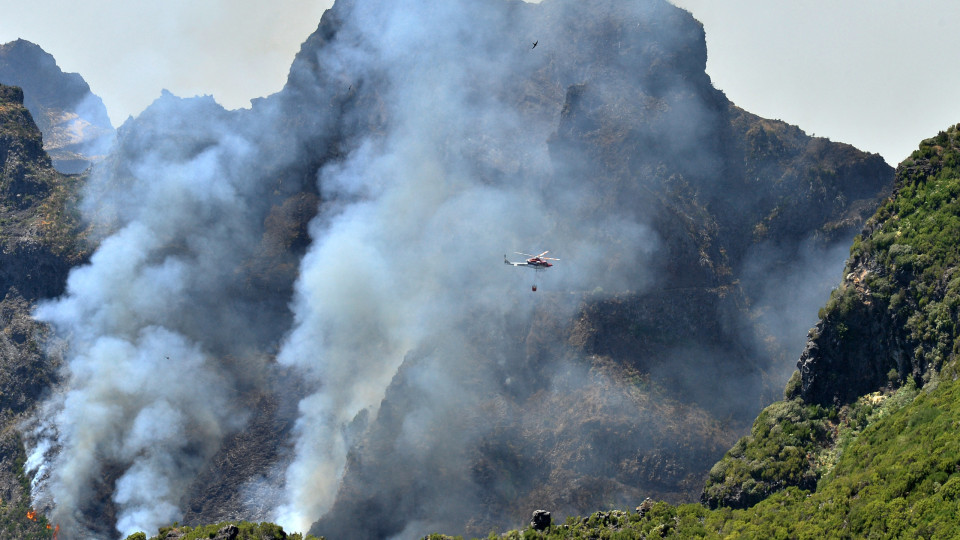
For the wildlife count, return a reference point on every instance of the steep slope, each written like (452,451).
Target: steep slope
(39,234)
(75,126)
(39,242)
(897,478)
(892,323)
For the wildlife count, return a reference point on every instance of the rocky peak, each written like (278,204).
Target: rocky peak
(74,122)
(39,234)
(19,137)
(516,407)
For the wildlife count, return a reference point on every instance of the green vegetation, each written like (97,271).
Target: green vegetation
(15,523)
(246,531)
(885,464)
(914,246)
(793,444)
(777,453)
(15,121)
(899,478)
(60,222)
(39,204)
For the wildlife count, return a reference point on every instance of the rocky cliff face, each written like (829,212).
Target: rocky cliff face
(891,323)
(893,316)
(75,126)
(39,231)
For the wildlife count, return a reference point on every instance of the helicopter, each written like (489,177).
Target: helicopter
(537,262)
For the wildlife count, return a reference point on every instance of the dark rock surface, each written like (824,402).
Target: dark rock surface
(869,337)
(39,233)
(540,520)
(228,532)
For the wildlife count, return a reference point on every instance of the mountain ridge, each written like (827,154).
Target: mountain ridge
(74,121)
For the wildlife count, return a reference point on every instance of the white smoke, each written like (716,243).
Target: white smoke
(146,395)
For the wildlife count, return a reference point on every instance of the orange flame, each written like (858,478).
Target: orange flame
(56,531)
(32,515)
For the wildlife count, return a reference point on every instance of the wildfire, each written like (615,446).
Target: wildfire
(32,516)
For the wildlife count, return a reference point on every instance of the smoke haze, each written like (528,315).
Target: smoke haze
(430,138)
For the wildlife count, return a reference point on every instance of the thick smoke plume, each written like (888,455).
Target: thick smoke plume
(160,340)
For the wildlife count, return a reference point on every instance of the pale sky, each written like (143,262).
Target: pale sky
(878,74)
(130,50)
